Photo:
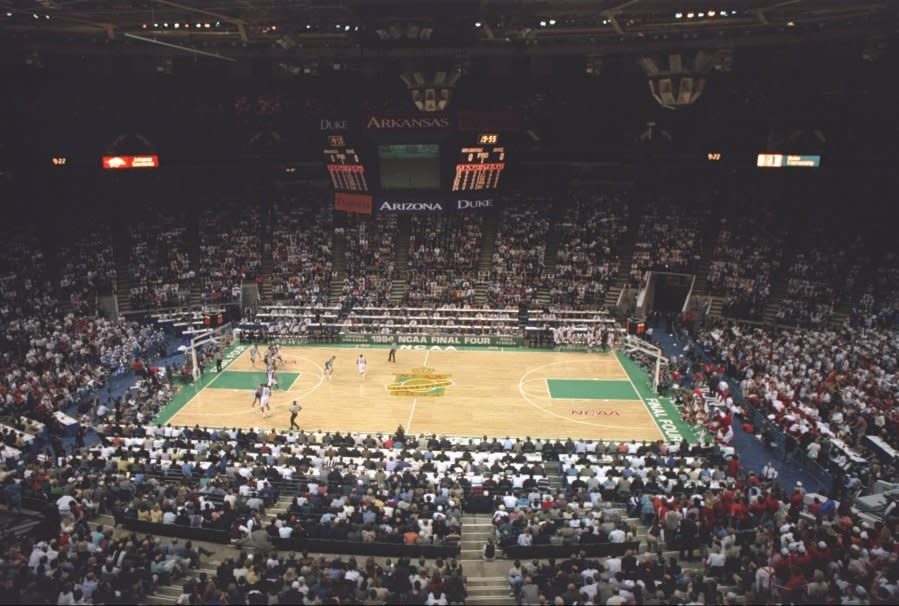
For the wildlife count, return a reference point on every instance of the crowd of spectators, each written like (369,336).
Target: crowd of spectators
(586,261)
(669,239)
(744,261)
(85,267)
(518,270)
(370,261)
(23,279)
(877,306)
(443,260)
(829,387)
(739,536)
(230,251)
(819,278)
(302,244)
(159,263)
(52,362)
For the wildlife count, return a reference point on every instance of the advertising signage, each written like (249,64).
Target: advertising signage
(124,162)
(353,203)
(333,124)
(407,122)
(433,204)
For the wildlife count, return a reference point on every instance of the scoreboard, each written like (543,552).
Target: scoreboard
(345,169)
(790,160)
(480,166)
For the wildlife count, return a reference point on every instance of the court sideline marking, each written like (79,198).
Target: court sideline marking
(637,391)
(414,400)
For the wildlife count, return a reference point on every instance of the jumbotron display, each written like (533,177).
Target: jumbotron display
(480,166)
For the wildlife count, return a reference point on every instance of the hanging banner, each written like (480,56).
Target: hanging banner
(407,122)
(456,340)
(353,203)
(432,203)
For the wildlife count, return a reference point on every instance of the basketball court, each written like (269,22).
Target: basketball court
(460,392)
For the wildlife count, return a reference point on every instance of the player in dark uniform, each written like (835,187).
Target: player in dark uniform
(257,395)
(329,367)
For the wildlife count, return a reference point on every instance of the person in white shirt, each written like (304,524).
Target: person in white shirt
(360,362)
(617,536)
(716,561)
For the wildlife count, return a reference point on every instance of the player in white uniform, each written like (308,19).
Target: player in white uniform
(264,400)
(272,377)
(277,353)
(360,362)
(254,353)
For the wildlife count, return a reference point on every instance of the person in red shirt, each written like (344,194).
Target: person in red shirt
(796,502)
(733,466)
(781,564)
(795,585)
(801,559)
(739,512)
(820,555)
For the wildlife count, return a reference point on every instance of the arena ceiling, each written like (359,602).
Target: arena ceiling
(456,29)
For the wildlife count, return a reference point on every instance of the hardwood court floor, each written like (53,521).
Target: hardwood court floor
(464,393)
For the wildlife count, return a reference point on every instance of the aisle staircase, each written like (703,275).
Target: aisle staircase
(401,264)
(709,236)
(268,264)
(489,229)
(625,251)
(553,239)
(716,307)
(338,267)
(194,254)
(486,582)
(121,252)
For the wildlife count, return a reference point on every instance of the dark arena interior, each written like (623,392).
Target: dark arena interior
(449,302)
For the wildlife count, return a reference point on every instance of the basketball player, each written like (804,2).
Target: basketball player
(254,353)
(264,399)
(391,357)
(360,362)
(329,367)
(276,349)
(272,377)
(257,395)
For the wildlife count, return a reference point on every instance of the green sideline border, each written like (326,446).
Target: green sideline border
(662,410)
(186,393)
